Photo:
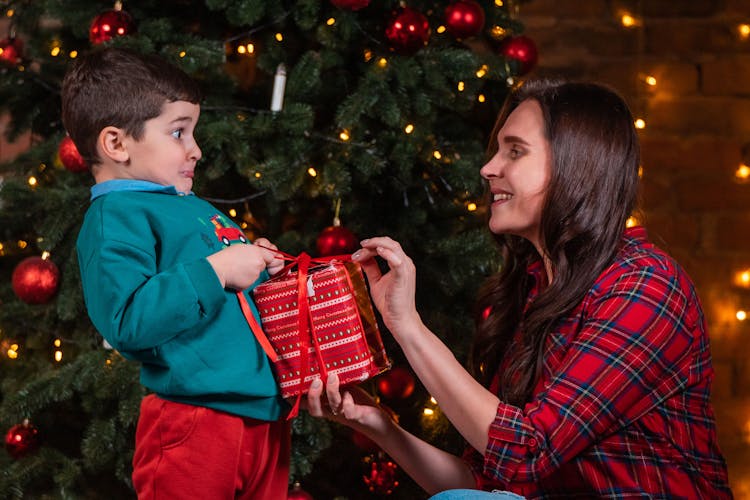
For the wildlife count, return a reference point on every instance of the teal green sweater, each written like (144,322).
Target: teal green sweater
(154,297)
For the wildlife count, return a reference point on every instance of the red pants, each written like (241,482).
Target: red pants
(191,452)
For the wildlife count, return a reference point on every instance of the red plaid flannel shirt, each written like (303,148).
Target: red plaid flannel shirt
(622,409)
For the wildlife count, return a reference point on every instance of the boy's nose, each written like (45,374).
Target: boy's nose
(196,153)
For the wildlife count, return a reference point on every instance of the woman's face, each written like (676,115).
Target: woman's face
(518,174)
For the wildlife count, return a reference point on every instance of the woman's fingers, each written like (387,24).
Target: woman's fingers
(333,394)
(314,403)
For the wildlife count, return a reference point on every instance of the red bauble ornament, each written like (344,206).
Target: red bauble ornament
(408,31)
(336,240)
(464,18)
(364,443)
(380,476)
(70,157)
(21,439)
(350,4)
(398,383)
(522,49)
(110,24)
(297,493)
(35,280)
(10,50)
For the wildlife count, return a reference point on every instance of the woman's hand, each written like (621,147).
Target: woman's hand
(392,292)
(354,407)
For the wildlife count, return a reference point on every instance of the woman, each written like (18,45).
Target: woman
(590,369)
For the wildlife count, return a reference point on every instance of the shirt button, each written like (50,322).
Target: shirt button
(532,443)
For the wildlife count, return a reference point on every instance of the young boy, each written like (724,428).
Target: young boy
(160,270)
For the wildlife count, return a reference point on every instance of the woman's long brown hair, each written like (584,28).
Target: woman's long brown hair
(592,191)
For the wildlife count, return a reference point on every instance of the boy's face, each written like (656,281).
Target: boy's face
(166,154)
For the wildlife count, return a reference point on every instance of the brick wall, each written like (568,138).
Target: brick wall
(697,135)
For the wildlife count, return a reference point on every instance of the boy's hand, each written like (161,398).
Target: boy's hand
(238,266)
(277,264)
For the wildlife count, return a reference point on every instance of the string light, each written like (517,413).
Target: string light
(461,86)
(471,206)
(629,21)
(45,255)
(499,3)
(55,51)
(73,54)
(10,12)
(481,98)
(32,181)
(481,72)
(22,244)
(382,62)
(409,128)
(741,315)
(312,172)
(428,412)
(440,29)
(742,278)
(744,31)
(12,351)
(437,155)
(368,55)
(640,171)
(331,21)
(232,212)
(183,53)
(631,222)
(497,32)
(742,173)
(344,135)
(279,37)
(58,352)
(640,123)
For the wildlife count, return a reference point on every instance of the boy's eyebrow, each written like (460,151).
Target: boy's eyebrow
(182,119)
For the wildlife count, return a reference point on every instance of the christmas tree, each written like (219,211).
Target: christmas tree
(324,121)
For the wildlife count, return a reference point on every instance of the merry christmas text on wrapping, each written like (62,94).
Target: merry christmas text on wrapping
(318,321)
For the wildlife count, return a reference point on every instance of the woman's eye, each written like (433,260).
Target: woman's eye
(514,153)
(177,134)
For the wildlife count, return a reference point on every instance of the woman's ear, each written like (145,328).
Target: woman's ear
(111,145)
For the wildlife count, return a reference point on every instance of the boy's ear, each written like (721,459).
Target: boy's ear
(111,144)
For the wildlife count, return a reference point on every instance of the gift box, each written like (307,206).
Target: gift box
(320,321)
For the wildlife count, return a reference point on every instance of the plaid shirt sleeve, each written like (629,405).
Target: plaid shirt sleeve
(628,350)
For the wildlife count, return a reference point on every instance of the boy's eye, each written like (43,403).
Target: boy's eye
(177,134)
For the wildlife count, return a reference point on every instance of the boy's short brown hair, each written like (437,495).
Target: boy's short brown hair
(120,88)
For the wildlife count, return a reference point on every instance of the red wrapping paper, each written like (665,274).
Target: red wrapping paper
(340,332)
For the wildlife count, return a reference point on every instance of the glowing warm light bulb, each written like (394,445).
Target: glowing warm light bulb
(471,207)
(433,400)
(481,98)
(437,155)
(429,412)
(631,222)
(22,244)
(640,171)
(232,212)
(13,351)
(368,55)
(382,62)
(628,21)
(57,343)
(409,128)
(55,51)
(440,29)
(743,172)
(279,37)
(497,32)
(344,135)
(58,356)
(640,123)
(183,53)
(499,3)
(10,12)
(650,80)
(331,21)
(45,255)
(312,172)
(258,175)
(73,54)
(32,181)
(741,315)
(461,86)
(744,30)
(742,278)
(481,72)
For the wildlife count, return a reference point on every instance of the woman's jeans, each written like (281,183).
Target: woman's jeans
(475,495)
